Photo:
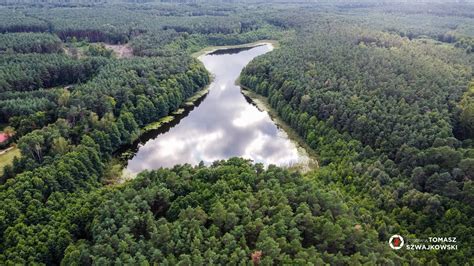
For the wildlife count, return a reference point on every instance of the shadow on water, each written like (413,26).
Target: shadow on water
(251,102)
(232,50)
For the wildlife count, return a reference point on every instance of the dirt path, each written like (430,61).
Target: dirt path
(6,150)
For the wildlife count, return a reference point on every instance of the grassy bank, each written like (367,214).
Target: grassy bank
(6,158)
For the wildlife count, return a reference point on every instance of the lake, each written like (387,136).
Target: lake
(221,125)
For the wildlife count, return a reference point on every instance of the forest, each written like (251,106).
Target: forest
(382,92)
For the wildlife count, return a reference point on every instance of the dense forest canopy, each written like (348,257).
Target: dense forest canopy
(382,91)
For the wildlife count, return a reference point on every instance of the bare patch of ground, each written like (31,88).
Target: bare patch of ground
(120,50)
(80,50)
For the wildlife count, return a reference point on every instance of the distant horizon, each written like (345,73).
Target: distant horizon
(71,2)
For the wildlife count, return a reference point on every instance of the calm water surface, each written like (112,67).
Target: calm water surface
(223,125)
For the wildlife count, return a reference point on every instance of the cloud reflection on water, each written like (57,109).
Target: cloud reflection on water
(224,125)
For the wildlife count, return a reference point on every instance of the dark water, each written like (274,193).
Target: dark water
(223,125)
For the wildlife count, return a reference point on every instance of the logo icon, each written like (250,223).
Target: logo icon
(396,242)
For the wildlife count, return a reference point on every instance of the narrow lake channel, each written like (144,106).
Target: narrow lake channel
(223,124)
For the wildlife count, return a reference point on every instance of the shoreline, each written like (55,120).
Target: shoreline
(204,91)
(211,49)
(189,102)
(261,102)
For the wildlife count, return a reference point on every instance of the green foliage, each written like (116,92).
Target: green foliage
(402,110)
(98,50)
(13,20)
(378,90)
(222,214)
(466,117)
(29,43)
(14,105)
(382,112)
(34,71)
